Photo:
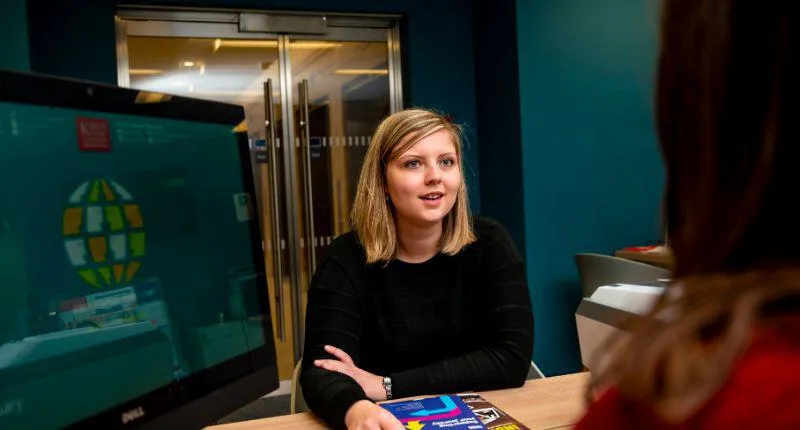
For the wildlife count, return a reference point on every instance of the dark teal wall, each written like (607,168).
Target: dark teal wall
(592,172)
(14,34)
(497,94)
(437,43)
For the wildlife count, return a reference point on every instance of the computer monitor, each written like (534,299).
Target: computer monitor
(132,284)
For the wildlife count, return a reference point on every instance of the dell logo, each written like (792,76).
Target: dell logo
(11,407)
(132,414)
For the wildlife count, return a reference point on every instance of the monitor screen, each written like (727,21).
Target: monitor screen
(130,255)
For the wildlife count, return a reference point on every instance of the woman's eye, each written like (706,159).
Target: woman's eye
(448,162)
(413,164)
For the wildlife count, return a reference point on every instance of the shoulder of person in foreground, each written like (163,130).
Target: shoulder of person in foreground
(762,391)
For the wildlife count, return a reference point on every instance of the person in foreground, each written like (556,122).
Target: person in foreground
(721,349)
(420,298)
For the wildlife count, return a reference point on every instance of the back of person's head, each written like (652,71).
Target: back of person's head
(372,214)
(728,76)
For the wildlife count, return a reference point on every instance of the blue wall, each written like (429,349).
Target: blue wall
(438,65)
(592,171)
(14,35)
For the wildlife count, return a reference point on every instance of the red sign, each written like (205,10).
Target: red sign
(93,134)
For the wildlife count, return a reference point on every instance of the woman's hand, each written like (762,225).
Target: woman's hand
(371,384)
(365,415)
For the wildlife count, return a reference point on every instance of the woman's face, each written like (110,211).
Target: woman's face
(423,182)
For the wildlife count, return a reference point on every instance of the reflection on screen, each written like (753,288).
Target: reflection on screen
(125,259)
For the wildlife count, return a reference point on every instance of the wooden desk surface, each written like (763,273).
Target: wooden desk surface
(551,403)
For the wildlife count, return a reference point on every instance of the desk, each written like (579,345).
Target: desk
(551,403)
(660,258)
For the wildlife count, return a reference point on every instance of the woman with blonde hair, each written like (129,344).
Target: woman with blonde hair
(420,298)
(721,349)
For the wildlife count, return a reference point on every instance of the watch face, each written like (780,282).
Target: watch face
(387,386)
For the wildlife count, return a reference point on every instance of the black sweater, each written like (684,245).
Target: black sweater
(450,324)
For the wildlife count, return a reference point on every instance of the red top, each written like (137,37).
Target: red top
(762,392)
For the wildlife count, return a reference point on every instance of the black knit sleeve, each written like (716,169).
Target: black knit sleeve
(333,317)
(502,358)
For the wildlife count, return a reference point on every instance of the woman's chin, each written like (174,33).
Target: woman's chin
(430,216)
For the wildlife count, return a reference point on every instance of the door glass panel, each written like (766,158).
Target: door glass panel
(348,95)
(234,71)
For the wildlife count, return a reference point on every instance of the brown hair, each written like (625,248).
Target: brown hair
(727,78)
(372,215)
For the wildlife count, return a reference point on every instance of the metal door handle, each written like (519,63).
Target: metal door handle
(305,146)
(269,124)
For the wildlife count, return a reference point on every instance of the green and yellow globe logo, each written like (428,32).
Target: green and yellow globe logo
(103,233)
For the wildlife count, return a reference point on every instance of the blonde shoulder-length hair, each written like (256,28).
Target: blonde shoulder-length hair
(372,215)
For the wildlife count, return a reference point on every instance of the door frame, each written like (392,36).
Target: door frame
(225,23)
(238,24)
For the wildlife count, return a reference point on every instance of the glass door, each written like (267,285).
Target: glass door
(342,95)
(311,100)
(245,72)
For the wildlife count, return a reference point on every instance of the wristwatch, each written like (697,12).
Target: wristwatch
(387,386)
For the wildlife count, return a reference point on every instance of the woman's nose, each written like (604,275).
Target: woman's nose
(433,175)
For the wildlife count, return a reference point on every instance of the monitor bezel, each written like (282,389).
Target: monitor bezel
(221,389)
